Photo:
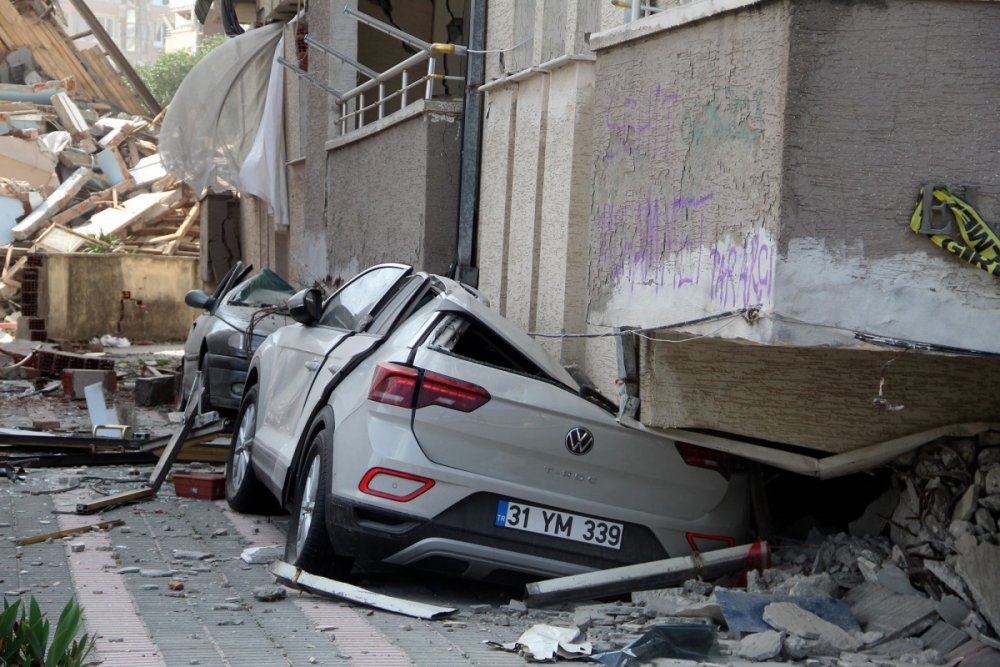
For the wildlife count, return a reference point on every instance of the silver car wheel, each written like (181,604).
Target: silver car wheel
(309,493)
(241,448)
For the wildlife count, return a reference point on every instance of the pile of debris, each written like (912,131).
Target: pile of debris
(77,174)
(915,581)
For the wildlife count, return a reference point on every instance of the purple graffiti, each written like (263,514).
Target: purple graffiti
(659,251)
(742,276)
(636,125)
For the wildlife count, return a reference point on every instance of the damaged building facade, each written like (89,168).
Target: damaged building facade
(738,177)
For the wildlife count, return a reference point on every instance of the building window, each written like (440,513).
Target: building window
(159,34)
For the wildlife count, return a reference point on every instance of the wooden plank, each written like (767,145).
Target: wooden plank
(52,205)
(35,539)
(182,231)
(140,209)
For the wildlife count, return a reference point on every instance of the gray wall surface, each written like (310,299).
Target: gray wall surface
(884,97)
(392,196)
(687,169)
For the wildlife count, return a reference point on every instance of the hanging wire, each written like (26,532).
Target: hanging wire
(751,314)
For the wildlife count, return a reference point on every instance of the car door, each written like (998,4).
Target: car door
(534,433)
(292,377)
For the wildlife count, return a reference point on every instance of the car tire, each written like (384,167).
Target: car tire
(244,491)
(307,544)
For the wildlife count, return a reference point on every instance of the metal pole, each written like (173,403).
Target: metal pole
(429,88)
(406,88)
(472,122)
(109,46)
(387,29)
(636,10)
(361,110)
(381,101)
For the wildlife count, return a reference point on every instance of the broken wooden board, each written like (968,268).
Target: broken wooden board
(52,205)
(294,577)
(57,238)
(138,210)
(642,576)
(35,539)
(69,115)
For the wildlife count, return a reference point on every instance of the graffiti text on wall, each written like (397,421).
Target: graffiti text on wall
(660,242)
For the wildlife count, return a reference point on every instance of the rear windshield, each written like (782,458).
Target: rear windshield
(466,338)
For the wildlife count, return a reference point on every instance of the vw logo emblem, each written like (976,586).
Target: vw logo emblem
(579,441)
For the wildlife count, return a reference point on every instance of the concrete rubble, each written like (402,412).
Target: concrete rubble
(78,175)
(921,588)
(925,592)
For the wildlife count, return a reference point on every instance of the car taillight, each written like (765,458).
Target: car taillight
(702,457)
(409,387)
(394,384)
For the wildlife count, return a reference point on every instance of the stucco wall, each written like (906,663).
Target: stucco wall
(154,312)
(687,171)
(392,193)
(884,97)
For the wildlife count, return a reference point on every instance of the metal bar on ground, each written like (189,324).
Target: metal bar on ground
(294,577)
(35,539)
(644,576)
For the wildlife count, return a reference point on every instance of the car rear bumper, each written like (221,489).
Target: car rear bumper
(464,541)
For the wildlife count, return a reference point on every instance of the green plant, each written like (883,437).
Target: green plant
(24,639)
(164,75)
(103,243)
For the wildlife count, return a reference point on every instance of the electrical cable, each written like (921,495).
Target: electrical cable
(751,314)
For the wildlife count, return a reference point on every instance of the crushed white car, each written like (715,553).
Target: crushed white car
(404,421)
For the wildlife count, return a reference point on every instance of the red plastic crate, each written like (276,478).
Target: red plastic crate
(204,485)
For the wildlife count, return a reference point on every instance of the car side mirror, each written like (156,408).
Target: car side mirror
(197,298)
(305,307)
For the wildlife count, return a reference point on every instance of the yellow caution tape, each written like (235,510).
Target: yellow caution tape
(981,246)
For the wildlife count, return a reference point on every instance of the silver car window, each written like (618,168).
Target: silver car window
(351,306)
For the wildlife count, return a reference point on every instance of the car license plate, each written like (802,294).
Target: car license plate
(554,523)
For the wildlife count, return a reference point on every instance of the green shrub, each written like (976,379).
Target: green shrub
(24,640)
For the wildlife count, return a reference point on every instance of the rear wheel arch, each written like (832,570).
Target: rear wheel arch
(322,418)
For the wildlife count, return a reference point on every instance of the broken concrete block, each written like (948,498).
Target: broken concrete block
(151,391)
(76,379)
(795,620)
(992,503)
(760,646)
(984,519)
(262,555)
(943,638)
(880,610)
(991,482)
(269,593)
(77,547)
(819,585)
(978,569)
(895,580)
(989,455)
(947,576)
(873,520)
(966,505)
(953,610)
